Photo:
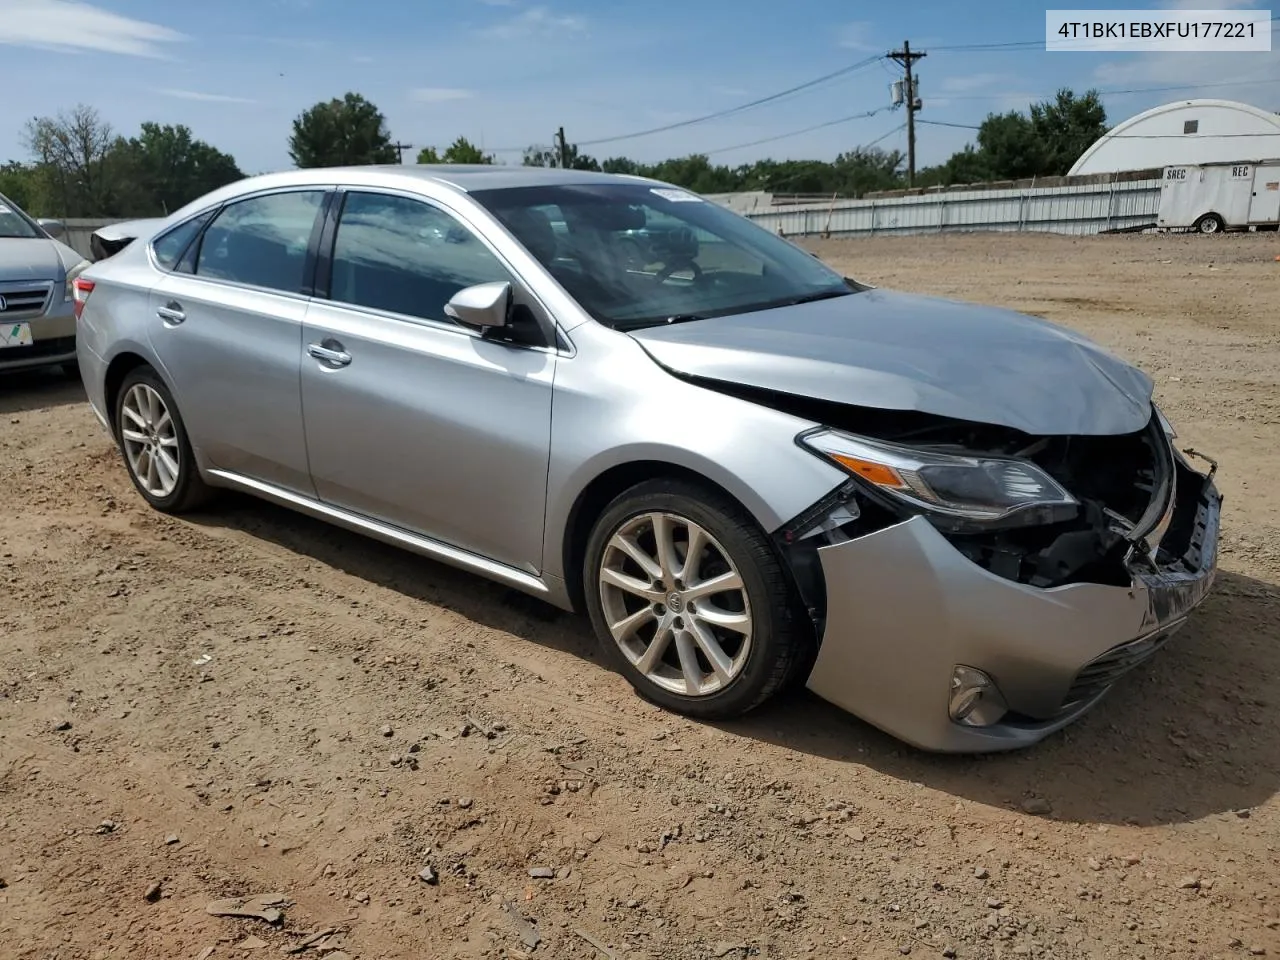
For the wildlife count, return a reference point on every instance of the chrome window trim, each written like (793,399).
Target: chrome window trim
(323,189)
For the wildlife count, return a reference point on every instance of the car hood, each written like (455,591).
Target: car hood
(31,259)
(896,351)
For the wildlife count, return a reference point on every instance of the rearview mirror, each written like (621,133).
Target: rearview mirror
(54,228)
(483,306)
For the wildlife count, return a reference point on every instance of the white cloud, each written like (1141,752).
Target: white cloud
(68,25)
(856,36)
(536,22)
(203,97)
(439,94)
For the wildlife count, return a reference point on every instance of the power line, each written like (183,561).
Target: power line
(943,123)
(843,71)
(1013,45)
(796,133)
(1113,93)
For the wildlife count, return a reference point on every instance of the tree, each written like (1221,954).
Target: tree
(24,184)
(1068,125)
(1012,147)
(173,168)
(73,151)
(346,132)
(863,170)
(463,150)
(1044,142)
(964,166)
(537,156)
(622,165)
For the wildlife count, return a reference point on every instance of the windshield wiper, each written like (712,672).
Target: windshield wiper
(815,297)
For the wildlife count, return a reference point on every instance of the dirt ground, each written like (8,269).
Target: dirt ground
(249,702)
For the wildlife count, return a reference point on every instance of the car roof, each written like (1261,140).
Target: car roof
(464,178)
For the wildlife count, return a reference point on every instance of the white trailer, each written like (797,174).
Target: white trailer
(1213,197)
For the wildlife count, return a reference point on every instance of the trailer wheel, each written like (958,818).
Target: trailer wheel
(1209,223)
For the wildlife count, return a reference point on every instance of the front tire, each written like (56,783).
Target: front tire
(154,443)
(690,601)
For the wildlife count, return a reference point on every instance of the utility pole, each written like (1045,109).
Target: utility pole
(400,148)
(906,58)
(564,149)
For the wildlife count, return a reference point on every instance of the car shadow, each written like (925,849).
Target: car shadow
(38,389)
(1193,733)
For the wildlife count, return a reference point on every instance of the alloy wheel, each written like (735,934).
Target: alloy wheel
(675,604)
(150,439)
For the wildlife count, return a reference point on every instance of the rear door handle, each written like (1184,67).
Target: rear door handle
(171,313)
(330,353)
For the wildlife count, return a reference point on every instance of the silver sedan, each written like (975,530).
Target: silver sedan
(37,322)
(959,523)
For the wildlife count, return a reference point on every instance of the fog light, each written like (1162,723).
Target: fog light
(975,699)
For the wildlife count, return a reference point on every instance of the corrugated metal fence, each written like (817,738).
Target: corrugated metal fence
(1075,209)
(1079,208)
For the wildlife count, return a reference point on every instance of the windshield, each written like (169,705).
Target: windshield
(13,224)
(635,255)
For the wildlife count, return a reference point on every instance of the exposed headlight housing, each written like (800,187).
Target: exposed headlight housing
(79,268)
(987,491)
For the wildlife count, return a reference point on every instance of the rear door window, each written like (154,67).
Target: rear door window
(261,241)
(172,245)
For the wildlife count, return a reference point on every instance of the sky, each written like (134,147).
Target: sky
(507,73)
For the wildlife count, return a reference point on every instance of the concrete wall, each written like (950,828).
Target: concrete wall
(79,231)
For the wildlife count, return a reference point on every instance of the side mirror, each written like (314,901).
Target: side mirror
(483,306)
(54,228)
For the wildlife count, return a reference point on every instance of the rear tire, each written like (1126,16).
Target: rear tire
(1210,224)
(712,653)
(154,443)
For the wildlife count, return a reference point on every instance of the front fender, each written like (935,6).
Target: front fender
(614,406)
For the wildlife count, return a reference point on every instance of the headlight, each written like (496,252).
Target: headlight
(989,491)
(74,272)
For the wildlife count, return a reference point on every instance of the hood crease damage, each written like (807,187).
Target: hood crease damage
(881,350)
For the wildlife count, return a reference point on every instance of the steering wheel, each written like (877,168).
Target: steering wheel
(680,263)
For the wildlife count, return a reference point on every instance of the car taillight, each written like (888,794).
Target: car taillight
(80,292)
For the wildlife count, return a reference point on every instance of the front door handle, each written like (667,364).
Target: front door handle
(330,353)
(171,313)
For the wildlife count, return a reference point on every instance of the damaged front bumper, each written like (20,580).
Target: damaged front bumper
(905,610)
